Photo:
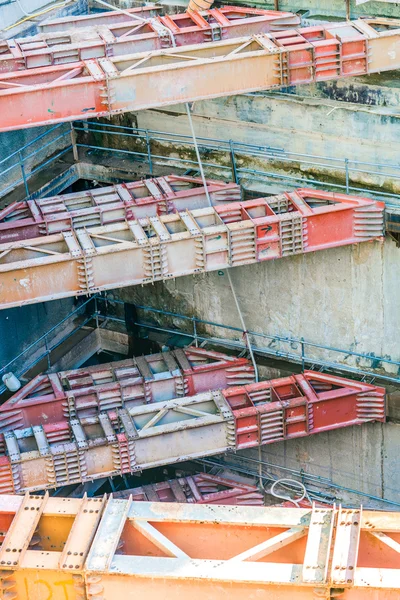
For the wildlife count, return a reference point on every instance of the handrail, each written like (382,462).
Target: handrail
(301,357)
(234,148)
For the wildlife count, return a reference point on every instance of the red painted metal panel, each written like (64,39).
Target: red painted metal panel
(117,441)
(201,488)
(301,405)
(113,85)
(123,384)
(128,37)
(111,204)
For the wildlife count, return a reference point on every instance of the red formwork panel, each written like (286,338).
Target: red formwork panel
(111,204)
(154,33)
(201,488)
(301,405)
(123,384)
(127,440)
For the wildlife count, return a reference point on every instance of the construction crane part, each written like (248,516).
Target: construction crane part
(119,39)
(201,488)
(107,86)
(189,242)
(121,441)
(91,548)
(88,391)
(113,204)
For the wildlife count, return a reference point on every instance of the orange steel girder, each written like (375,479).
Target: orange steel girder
(94,549)
(111,442)
(190,242)
(131,37)
(127,383)
(201,488)
(108,86)
(123,24)
(112,204)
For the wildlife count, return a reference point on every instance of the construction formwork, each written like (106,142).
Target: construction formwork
(102,550)
(89,260)
(111,86)
(121,441)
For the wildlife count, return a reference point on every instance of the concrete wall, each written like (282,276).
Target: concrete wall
(359,458)
(345,297)
(20,327)
(297,124)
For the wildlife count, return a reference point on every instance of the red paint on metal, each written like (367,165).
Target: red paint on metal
(53,454)
(123,384)
(130,82)
(301,405)
(112,204)
(201,488)
(189,242)
(118,39)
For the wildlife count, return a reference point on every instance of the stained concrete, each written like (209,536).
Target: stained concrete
(360,458)
(345,297)
(304,125)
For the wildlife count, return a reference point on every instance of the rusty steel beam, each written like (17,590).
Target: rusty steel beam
(127,440)
(88,391)
(113,204)
(123,24)
(119,39)
(112,17)
(201,488)
(190,242)
(108,86)
(91,548)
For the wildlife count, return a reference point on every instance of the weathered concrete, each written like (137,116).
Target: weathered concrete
(305,125)
(345,298)
(360,458)
(11,14)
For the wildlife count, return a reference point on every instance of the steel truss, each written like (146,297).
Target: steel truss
(201,488)
(117,39)
(107,86)
(101,550)
(129,383)
(112,204)
(190,242)
(114,442)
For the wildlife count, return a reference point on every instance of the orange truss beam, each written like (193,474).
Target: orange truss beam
(110,442)
(128,37)
(107,86)
(189,242)
(71,549)
(112,204)
(126,384)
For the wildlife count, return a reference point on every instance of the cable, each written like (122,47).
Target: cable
(248,343)
(293,484)
(121,10)
(34,14)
